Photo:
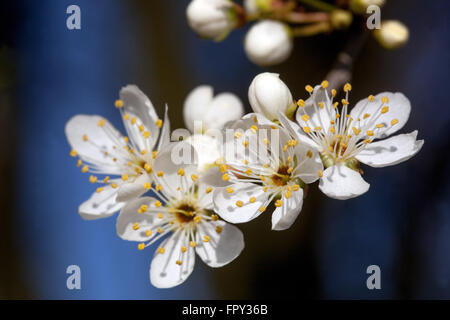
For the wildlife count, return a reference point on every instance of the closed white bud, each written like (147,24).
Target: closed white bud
(360,6)
(202,111)
(392,34)
(212,19)
(268,43)
(257,6)
(269,95)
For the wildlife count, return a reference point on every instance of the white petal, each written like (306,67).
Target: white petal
(298,133)
(164,138)
(138,106)
(196,105)
(340,182)
(131,190)
(222,247)
(283,217)
(99,140)
(225,203)
(308,163)
(164,271)
(100,205)
(207,149)
(129,216)
(318,117)
(399,108)
(391,151)
(224,107)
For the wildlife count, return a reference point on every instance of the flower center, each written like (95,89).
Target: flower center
(282,176)
(185,213)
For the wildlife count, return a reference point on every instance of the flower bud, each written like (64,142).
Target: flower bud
(207,149)
(257,6)
(268,42)
(392,34)
(268,95)
(360,6)
(210,112)
(341,19)
(212,19)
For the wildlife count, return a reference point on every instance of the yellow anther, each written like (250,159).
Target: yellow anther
(146,134)
(385,99)
(136,226)
(239,203)
(254,128)
(194,177)
(159,123)
(118,103)
(143,208)
(105,181)
(369,133)
(301,103)
(380,125)
(265,188)
(85,137)
(321,105)
(218,229)
(384,109)
(225,177)
(141,128)
(262,209)
(394,121)
(285,148)
(266,142)
(237,135)
(158,187)
(160,173)
(126,139)
(366,115)
(141,246)
(154,154)
(289,170)
(324,84)
(214,217)
(143,152)
(84,169)
(335,105)
(278,203)
(309,88)
(309,154)
(262,178)
(295,187)
(114,185)
(245,143)
(92,179)
(133,120)
(148,233)
(183,249)
(73,153)
(159,215)
(320,173)
(126,117)
(179,262)
(366,141)
(197,219)
(248,171)
(192,244)
(125,177)
(101,122)
(158,203)
(99,189)
(332,122)
(147,185)
(252,200)
(208,190)
(180,172)
(344,102)
(229,190)
(148,168)
(333,93)
(206,238)
(159,230)
(347,87)
(371,98)
(356,131)
(332,129)
(305,117)
(223,168)
(161,250)
(79,163)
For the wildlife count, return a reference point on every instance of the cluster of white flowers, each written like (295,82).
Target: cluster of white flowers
(235,167)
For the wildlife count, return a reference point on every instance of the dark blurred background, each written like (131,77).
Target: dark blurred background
(49,73)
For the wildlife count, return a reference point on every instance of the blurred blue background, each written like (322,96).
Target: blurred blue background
(402,224)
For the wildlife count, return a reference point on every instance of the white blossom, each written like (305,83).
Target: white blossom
(183,210)
(269,95)
(263,164)
(268,42)
(392,34)
(123,161)
(345,138)
(212,19)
